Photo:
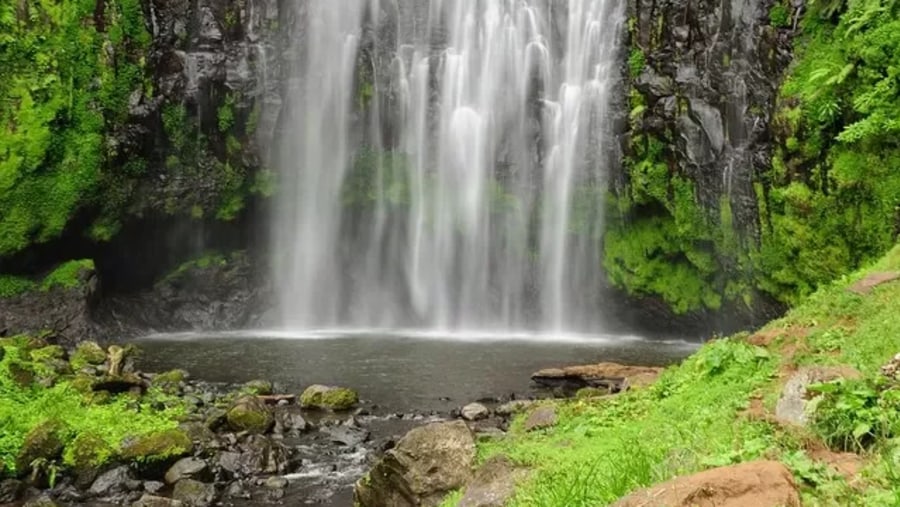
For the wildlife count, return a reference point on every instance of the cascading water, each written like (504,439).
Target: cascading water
(443,164)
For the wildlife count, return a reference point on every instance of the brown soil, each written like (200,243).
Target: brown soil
(845,464)
(754,484)
(790,334)
(868,283)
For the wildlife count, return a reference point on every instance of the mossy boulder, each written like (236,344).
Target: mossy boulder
(249,413)
(258,387)
(87,354)
(170,381)
(86,455)
(158,446)
(48,353)
(21,374)
(44,441)
(328,398)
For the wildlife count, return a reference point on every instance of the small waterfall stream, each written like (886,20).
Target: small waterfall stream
(443,164)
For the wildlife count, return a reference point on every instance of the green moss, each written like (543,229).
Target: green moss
(44,441)
(636,62)
(11,286)
(780,16)
(251,414)
(86,454)
(68,275)
(328,398)
(87,354)
(159,446)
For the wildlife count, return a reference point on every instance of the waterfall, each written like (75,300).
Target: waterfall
(443,164)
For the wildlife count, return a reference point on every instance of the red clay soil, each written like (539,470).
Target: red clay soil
(868,283)
(753,484)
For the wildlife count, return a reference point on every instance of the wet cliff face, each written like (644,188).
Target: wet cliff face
(685,217)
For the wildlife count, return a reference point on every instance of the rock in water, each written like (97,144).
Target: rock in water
(426,464)
(475,412)
(328,398)
(249,413)
(753,484)
(156,501)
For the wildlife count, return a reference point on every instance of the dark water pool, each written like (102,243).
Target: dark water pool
(398,371)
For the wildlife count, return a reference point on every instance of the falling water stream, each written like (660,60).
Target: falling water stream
(443,164)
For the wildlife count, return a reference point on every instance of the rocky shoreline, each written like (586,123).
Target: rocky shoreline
(237,444)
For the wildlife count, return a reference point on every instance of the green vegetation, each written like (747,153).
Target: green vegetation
(66,276)
(698,414)
(61,426)
(66,72)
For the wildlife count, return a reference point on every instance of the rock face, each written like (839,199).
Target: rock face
(65,312)
(792,405)
(426,464)
(754,484)
(611,377)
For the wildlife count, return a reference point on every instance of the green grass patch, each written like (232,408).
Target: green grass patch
(694,417)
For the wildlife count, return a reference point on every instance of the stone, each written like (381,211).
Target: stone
(187,468)
(513,407)
(541,418)
(112,482)
(276,482)
(153,486)
(494,484)
(258,387)
(792,406)
(42,442)
(11,489)
(328,398)
(168,444)
(116,360)
(249,413)
(86,354)
(89,452)
(612,377)
(193,493)
(475,412)
(170,381)
(156,501)
(41,501)
(753,484)
(262,455)
(346,435)
(892,369)
(425,465)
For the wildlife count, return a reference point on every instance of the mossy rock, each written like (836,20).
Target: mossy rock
(84,384)
(249,413)
(21,374)
(87,454)
(328,398)
(87,354)
(170,381)
(48,353)
(44,441)
(258,387)
(159,446)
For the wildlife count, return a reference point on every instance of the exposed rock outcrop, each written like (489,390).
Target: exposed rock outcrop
(754,484)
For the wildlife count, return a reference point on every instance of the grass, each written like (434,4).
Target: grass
(696,415)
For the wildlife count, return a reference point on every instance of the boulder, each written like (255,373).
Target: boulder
(541,418)
(328,398)
(113,481)
(44,441)
(792,405)
(158,446)
(426,464)
(11,490)
(261,455)
(249,413)
(193,493)
(87,353)
(89,454)
(494,484)
(753,484)
(610,377)
(475,412)
(187,468)
(513,407)
(258,387)
(41,501)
